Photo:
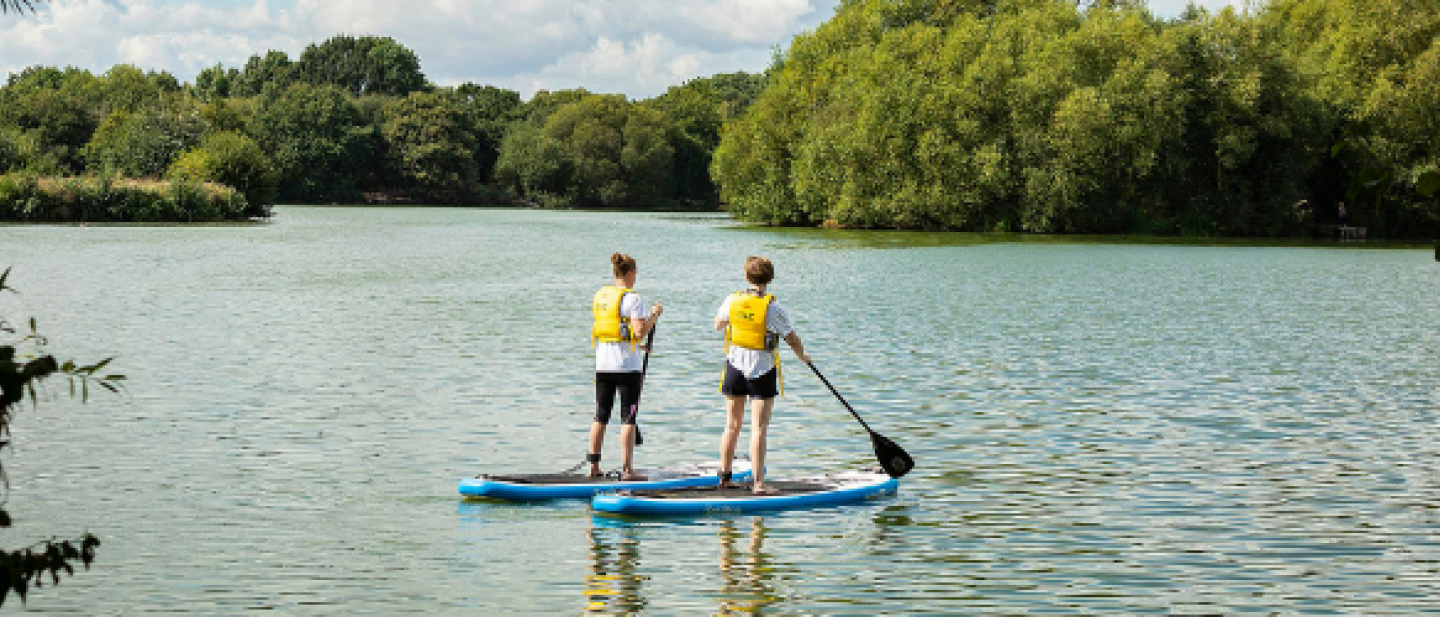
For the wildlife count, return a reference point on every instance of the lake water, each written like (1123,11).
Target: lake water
(1100,427)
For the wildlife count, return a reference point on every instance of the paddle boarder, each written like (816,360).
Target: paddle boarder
(754,322)
(620,324)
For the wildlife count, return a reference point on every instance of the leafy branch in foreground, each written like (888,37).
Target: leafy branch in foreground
(19,6)
(23,365)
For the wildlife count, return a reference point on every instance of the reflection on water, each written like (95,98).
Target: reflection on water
(749,573)
(613,584)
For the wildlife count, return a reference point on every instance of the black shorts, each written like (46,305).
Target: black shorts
(735,384)
(606,385)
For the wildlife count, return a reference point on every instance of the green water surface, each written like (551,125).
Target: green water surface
(1116,427)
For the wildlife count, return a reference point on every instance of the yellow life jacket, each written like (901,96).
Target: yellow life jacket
(747,322)
(610,326)
(748,314)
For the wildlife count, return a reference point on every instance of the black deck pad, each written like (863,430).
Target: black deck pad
(786,487)
(551,478)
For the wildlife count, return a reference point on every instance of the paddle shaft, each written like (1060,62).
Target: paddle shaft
(837,395)
(644,367)
(893,458)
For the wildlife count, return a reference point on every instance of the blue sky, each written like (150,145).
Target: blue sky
(635,47)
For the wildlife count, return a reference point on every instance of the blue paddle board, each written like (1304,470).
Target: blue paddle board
(828,490)
(529,487)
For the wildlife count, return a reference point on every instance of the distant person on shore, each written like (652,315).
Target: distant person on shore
(754,322)
(1342,214)
(620,324)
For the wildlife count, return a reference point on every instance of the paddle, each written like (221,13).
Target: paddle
(644,366)
(893,459)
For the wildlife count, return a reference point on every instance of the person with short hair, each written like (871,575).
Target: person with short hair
(620,324)
(754,322)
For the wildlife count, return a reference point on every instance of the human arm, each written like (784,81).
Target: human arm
(795,345)
(642,327)
(722,316)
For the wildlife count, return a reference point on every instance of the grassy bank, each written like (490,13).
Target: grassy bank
(30,198)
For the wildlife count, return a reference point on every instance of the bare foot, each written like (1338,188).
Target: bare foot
(631,476)
(595,471)
(761,489)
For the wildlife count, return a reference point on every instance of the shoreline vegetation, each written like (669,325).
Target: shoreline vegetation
(1026,116)
(95,199)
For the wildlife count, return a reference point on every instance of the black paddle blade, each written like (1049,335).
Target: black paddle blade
(893,458)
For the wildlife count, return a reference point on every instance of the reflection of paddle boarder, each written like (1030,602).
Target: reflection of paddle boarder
(620,325)
(754,322)
(747,575)
(612,587)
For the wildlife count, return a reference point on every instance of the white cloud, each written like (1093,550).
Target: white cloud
(1173,8)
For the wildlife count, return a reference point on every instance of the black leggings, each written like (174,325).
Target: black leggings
(606,385)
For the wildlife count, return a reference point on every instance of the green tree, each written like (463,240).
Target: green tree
(1032,115)
(431,137)
(54,127)
(144,144)
(610,153)
(215,83)
(362,65)
(126,88)
(274,69)
(318,142)
(11,157)
(695,111)
(533,166)
(491,111)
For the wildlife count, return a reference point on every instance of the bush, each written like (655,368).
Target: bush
(31,198)
(235,160)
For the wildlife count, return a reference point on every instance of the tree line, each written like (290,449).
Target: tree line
(1050,116)
(1098,117)
(354,118)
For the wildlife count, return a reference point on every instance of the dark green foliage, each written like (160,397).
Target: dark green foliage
(11,157)
(317,138)
(23,365)
(354,117)
(432,140)
(24,569)
(492,111)
(215,83)
(361,65)
(695,111)
(271,70)
(53,127)
(597,150)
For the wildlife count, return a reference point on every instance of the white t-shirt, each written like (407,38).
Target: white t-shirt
(756,362)
(622,357)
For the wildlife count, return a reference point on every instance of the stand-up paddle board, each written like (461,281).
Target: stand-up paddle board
(526,487)
(806,493)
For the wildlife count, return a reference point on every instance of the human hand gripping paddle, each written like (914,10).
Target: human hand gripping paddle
(893,459)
